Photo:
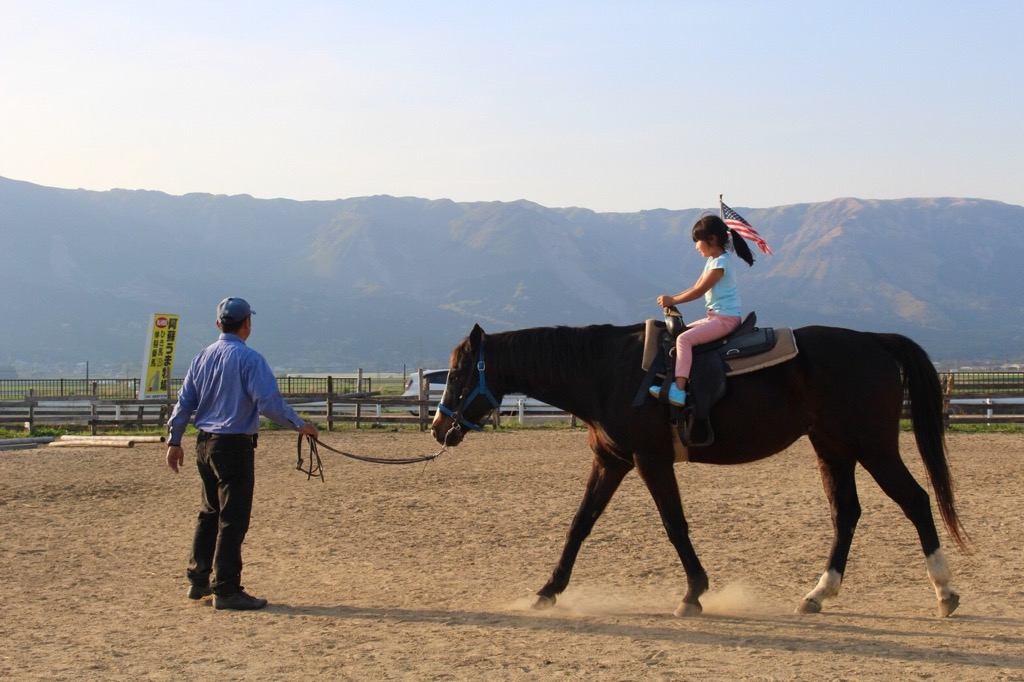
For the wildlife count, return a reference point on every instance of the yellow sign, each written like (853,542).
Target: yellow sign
(159,360)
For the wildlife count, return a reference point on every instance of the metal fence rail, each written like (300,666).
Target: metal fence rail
(14,389)
(983,384)
(125,389)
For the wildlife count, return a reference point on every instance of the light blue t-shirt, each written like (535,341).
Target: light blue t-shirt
(724,297)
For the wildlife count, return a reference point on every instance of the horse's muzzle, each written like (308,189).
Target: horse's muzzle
(445,431)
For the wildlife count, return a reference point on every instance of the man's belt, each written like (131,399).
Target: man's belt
(206,435)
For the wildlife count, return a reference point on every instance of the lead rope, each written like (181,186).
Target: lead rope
(316,468)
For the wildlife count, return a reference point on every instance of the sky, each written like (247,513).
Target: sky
(612,106)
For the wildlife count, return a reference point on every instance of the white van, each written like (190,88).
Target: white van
(437,378)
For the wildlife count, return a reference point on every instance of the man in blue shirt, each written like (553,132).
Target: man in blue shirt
(227,387)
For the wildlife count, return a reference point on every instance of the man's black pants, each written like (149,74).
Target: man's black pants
(226,465)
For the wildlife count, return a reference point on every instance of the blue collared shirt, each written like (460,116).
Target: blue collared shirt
(227,387)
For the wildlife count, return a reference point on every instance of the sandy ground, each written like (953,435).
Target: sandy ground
(426,572)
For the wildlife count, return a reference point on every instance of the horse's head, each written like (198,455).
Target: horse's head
(466,400)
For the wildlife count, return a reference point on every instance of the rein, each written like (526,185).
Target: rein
(316,467)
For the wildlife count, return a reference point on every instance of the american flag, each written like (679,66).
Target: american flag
(743,228)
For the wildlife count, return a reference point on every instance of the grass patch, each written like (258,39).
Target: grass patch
(985,428)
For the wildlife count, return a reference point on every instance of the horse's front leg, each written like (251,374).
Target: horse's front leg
(605,477)
(659,476)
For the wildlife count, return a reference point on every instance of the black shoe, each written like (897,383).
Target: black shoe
(239,601)
(199,591)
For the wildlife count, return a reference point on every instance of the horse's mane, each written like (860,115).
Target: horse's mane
(545,355)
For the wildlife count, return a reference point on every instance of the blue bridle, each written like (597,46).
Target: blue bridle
(480,390)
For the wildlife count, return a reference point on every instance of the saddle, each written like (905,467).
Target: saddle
(747,349)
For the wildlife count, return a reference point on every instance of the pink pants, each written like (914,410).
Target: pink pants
(712,327)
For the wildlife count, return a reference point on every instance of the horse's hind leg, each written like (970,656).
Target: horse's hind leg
(837,476)
(605,477)
(899,484)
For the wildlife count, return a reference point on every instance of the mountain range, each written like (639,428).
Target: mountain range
(388,283)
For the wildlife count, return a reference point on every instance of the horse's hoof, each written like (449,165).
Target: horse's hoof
(808,606)
(948,605)
(688,610)
(543,602)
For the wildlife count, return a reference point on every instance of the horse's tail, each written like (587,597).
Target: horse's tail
(923,388)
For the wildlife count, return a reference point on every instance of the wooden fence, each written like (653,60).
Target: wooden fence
(979,397)
(86,413)
(95,415)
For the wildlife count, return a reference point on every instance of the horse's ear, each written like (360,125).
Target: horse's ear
(476,335)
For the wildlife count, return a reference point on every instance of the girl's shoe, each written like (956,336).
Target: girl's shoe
(676,395)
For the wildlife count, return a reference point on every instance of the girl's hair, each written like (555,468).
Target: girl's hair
(713,226)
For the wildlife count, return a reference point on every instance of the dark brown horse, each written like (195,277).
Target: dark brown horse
(844,390)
